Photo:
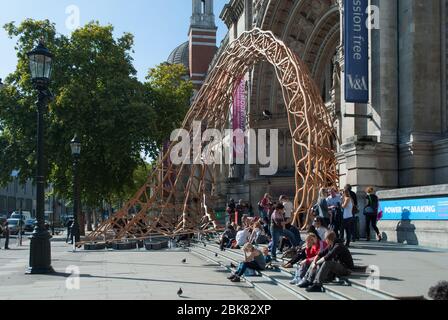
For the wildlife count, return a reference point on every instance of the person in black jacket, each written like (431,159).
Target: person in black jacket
(335,261)
(227,237)
(371,213)
(68,225)
(6,234)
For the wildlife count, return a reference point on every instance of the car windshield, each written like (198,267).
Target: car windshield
(30,221)
(12,222)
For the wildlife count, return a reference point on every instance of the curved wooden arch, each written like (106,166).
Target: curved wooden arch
(179,199)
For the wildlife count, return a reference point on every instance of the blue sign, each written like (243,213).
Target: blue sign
(356,43)
(415,209)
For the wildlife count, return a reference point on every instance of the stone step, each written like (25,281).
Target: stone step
(355,291)
(279,278)
(266,287)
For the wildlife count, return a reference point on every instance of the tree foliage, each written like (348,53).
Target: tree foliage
(169,93)
(97,97)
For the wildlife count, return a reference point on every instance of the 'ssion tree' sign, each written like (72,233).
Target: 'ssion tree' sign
(415,209)
(356,40)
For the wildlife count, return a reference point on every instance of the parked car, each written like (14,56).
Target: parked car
(15,226)
(25,215)
(30,224)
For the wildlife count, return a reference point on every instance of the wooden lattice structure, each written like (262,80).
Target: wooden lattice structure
(179,199)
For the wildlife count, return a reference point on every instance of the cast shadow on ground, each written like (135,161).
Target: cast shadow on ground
(141,264)
(406,230)
(362,276)
(89,276)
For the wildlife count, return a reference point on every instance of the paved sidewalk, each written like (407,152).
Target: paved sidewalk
(404,270)
(125,275)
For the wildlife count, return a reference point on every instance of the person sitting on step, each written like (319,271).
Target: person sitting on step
(312,249)
(300,250)
(242,237)
(258,236)
(227,237)
(253,259)
(335,261)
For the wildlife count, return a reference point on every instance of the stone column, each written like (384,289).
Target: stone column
(386,85)
(420,89)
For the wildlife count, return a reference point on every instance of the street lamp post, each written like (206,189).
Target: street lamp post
(75,146)
(40,60)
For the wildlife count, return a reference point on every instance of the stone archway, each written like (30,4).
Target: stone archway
(310,126)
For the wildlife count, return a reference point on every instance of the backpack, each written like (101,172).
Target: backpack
(369,209)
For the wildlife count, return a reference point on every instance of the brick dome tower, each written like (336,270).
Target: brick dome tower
(202,40)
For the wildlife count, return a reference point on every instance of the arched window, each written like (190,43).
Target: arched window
(203,7)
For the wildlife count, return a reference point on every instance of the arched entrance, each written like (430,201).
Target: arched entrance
(178,199)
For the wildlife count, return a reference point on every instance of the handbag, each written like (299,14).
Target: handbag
(369,210)
(380,213)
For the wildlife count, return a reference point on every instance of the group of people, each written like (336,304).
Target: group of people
(325,252)
(236,211)
(339,211)
(320,259)
(273,226)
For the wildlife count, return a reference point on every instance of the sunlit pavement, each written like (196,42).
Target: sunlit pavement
(125,275)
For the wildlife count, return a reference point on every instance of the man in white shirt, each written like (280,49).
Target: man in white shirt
(242,237)
(333,199)
(289,208)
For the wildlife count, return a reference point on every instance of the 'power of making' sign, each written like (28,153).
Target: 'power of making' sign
(415,209)
(356,40)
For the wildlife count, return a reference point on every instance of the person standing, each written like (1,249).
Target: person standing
(355,230)
(6,234)
(240,211)
(68,225)
(322,205)
(231,210)
(289,208)
(334,206)
(347,222)
(263,205)
(371,213)
(278,230)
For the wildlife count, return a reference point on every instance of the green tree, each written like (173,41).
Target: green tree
(98,97)
(170,93)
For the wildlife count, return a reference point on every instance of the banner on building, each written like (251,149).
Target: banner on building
(415,209)
(239,117)
(356,52)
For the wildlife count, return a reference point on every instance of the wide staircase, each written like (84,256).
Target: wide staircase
(274,284)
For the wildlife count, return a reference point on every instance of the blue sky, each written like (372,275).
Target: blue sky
(158,25)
